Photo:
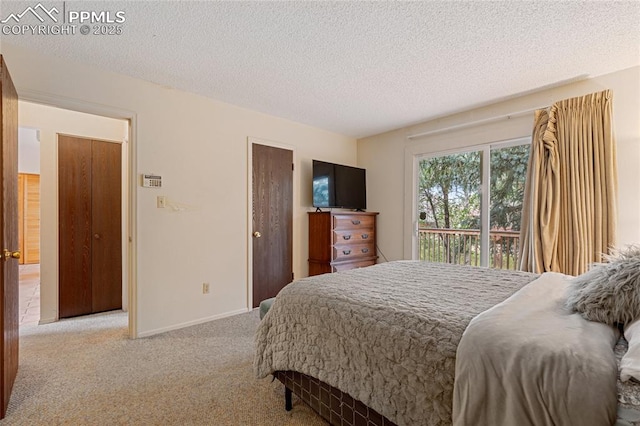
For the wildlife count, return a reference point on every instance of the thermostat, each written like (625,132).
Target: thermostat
(151,181)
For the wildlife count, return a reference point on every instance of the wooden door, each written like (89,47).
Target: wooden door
(74,226)
(90,226)
(106,226)
(272,221)
(8,236)
(29,217)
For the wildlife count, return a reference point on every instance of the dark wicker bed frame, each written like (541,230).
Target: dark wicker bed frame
(333,405)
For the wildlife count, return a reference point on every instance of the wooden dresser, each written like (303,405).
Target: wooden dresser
(339,241)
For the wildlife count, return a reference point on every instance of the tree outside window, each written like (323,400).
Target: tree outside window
(449,203)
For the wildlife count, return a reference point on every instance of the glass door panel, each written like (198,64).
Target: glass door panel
(449,208)
(508,173)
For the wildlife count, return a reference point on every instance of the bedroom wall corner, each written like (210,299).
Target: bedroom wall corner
(383,157)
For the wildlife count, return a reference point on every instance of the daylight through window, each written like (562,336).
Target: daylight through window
(451,210)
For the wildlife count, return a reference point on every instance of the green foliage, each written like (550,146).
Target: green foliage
(508,173)
(449,198)
(449,191)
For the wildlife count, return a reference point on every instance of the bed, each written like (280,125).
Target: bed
(378,345)
(545,365)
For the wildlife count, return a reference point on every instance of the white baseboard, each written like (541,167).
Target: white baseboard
(194,322)
(47,320)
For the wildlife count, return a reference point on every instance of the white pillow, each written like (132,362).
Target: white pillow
(630,363)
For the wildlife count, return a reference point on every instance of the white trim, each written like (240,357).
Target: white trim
(411,214)
(467,124)
(250,141)
(133,227)
(485,196)
(509,143)
(73,104)
(122,142)
(59,101)
(194,322)
(453,151)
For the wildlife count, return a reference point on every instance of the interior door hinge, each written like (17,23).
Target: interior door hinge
(293,167)
(292,277)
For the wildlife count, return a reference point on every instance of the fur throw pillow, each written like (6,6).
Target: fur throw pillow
(609,292)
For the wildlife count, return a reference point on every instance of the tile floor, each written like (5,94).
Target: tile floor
(29,294)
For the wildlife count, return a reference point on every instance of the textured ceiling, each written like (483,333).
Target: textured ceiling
(355,68)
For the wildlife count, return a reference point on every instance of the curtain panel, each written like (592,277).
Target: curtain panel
(570,205)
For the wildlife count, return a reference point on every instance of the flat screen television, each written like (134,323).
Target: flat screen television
(338,186)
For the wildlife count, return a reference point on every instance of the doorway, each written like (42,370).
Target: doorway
(29,224)
(271,220)
(51,121)
(29,293)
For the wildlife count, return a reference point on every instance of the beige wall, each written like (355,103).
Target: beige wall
(28,151)
(388,157)
(199,146)
(52,121)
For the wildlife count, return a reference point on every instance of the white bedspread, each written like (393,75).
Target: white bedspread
(530,361)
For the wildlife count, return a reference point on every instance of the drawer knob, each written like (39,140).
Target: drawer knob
(365,236)
(346,237)
(346,252)
(355,222)
(365,250)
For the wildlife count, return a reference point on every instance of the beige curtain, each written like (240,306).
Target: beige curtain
(569,210)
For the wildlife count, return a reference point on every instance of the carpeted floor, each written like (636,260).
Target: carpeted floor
(86,371)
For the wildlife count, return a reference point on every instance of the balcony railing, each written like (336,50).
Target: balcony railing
(462,247)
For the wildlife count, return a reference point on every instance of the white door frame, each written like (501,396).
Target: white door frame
(130,266)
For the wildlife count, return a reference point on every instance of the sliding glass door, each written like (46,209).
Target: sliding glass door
(506,192)
(469,205)
(449,208)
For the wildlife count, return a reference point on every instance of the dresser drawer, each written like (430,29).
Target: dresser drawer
(353,221)
(353,236)
(352,265)
(341,240)
(348,252)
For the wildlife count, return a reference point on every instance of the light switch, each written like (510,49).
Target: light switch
(161,201)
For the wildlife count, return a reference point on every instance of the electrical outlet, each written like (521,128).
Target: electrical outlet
(205,288)
(161,201)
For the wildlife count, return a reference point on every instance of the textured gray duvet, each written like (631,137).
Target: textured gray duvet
(387,335)
(529,361)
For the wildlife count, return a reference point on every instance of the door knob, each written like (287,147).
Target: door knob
(96,236)
(10,254)
(257,234)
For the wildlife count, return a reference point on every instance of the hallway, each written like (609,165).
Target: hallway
(29,305)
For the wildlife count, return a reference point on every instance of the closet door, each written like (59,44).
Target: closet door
(106,226)
(74,219)
(90,226)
